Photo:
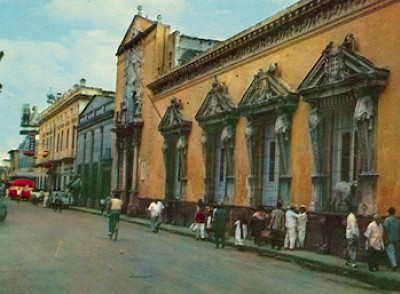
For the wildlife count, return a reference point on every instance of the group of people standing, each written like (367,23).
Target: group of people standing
(212,220)
(382,234)
(292,223)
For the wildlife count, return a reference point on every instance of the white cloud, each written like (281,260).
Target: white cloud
(30,68)
(110,13)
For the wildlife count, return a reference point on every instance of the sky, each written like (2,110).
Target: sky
(49,45)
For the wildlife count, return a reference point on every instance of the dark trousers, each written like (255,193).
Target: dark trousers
(276,239)
(58,205)
(373,258)
(219,237)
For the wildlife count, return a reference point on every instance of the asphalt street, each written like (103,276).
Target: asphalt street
(42,251)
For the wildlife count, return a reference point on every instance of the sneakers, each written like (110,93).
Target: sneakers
(353,265)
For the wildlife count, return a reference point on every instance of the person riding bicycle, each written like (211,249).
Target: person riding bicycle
(114,211)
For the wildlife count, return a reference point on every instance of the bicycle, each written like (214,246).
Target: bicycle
(114,228)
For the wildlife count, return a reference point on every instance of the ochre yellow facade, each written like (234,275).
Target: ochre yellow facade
(374,27)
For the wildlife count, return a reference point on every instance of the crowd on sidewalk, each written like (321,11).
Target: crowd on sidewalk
(287,229)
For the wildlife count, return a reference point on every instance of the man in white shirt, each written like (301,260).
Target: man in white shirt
(301,226)
(114,211)
(374,242)
(352,235)
(155,209)
(291,226)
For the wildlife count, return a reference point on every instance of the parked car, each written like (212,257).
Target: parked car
(67,198)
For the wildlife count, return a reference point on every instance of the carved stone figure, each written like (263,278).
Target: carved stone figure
(315,128)
(182,146)
(132,96)
(364,121)
(282,125)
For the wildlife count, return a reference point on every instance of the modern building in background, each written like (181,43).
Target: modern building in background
(57,139)
(93,151)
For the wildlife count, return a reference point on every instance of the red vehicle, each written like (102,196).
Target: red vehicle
(24,185)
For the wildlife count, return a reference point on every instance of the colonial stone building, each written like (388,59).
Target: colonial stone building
(298,108)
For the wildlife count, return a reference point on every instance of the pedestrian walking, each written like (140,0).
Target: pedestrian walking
(258,223)
(352,235)
(301,226)
(277,226)
(219,225)
(374,243)
(45,199)
(200,219)
(114,212)
(209,211)
(200,205)
(240,232)
(19,194)
(104,203)
(291,227)
(58,201)
(391,226)
(155,209)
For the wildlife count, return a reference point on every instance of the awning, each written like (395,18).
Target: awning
(23,183)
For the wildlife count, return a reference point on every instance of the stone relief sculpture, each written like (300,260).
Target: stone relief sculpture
(282,125)
(132,90)
(315,129)
(183,146)
(364,122)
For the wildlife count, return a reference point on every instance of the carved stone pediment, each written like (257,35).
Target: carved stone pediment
(217,104)
(340,70)
(266,92)
(173,120)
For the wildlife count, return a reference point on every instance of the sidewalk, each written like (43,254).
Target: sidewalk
(385,279)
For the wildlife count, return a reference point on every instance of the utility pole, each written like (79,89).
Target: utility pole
(1,57)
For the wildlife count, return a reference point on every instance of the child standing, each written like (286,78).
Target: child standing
(240,233)
(200,218)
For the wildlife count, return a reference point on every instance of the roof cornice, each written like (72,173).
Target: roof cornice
(300,18)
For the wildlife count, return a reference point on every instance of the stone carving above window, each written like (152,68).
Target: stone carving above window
(339,70)
(217,103)
(266,92)
(173,120)
(175,130)
(268,101)
(343,90)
